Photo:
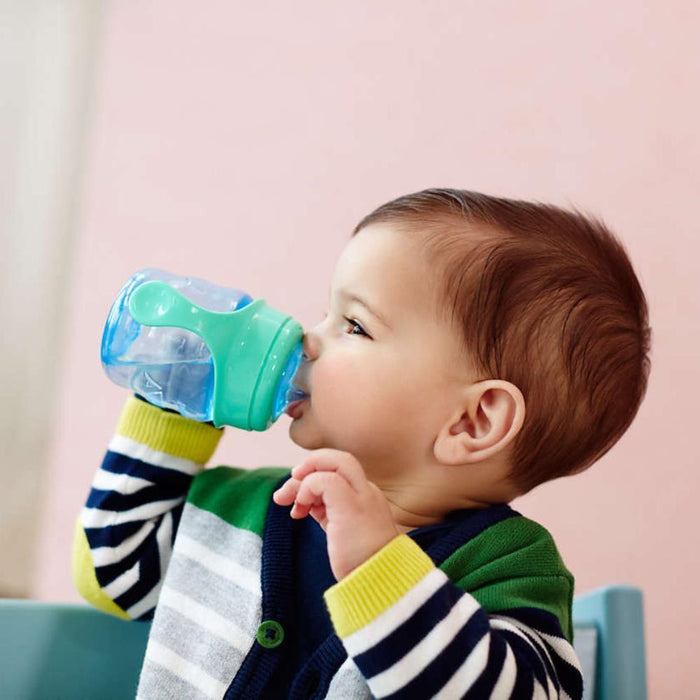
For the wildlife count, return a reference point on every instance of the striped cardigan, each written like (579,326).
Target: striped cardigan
(484,612)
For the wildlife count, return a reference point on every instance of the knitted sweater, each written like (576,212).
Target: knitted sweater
(484,612)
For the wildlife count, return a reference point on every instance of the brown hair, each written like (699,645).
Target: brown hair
(544,298)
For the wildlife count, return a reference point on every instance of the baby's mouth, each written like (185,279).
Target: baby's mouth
(294,410)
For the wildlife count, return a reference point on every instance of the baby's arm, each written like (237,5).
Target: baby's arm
(124,535)
(409,629)
(414,633)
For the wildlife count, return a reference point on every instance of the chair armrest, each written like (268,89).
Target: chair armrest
(616,613)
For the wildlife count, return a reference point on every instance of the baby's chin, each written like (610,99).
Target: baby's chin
(303,436)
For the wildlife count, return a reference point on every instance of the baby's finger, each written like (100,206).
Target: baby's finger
(318,513)
(329,460)
(325,488)
(299,510)
(285,494)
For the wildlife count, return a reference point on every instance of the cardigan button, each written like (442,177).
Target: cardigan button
(270,634)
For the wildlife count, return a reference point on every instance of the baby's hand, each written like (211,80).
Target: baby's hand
(331,486)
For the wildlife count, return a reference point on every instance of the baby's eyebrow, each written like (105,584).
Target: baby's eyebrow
(351,296)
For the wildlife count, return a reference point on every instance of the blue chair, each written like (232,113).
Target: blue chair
(609,641)
(58,651)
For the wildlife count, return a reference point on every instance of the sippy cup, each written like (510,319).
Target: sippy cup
(208,352)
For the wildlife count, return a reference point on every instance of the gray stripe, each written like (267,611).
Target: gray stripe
(222,538)
(201,648)
(204,585)
(158,683)
(214,592)
(190,638)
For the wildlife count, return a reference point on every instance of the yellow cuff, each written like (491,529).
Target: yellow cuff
(373,587)
(168,432)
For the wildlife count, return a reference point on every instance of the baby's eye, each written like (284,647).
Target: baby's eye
(355,327)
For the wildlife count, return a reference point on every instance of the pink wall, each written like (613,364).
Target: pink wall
(241,143)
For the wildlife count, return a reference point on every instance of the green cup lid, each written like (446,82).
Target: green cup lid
(249,349)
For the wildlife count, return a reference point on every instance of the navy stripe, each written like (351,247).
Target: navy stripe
(107,573)
(117,463)
(112,535)
(524,686)
(539,621)
(119,502)
(528,660)
(485,683)
(177,516)
(442,668)
(149,577)
(548,667)
(569,676)
(535,618)
(397,644)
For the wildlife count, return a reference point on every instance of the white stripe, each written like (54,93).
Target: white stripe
(383,625)
(121,483)
(538,692)
(500,623)
(506,680)
(468,673)
(96,517)
(122,583)
(130,578)
(101,556)
(430,647)
(164,541)
(558,645)
(205,617)
(182,668)
(148,602)
(137,450)
(223,566)
(563,650)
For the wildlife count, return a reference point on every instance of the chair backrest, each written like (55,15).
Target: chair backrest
(609,641)
(58,651)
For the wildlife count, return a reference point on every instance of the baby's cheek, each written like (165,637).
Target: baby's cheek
(339,391)
(332,378)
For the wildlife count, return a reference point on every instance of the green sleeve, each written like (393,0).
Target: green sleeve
(514,564)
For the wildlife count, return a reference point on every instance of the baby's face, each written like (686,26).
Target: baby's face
(384,365)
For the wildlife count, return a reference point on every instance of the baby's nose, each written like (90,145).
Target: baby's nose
(310,345)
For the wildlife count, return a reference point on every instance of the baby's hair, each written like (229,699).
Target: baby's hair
(544,298)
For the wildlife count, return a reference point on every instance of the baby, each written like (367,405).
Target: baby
(474,348)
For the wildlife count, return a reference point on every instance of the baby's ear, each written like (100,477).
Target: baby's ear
(487,419)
